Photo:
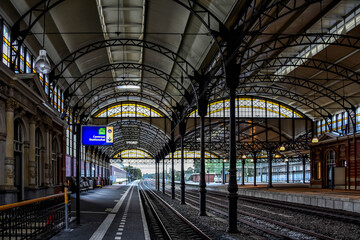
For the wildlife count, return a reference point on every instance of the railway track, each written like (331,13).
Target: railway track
(267,226)
(307,209)
(164,221)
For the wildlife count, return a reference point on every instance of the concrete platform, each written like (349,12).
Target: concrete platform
(347,200)
(112,212)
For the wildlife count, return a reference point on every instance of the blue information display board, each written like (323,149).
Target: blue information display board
(97,135)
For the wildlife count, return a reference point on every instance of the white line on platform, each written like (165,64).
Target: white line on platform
(145,226)
(102,229)
(122,224)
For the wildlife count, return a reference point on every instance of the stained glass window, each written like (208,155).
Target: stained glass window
(132,153)
(129,110)
(28,62)
(6,46)
(189,154)
(22,59)
(250,107)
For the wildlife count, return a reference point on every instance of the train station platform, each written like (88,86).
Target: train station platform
(347,200)
(112,212)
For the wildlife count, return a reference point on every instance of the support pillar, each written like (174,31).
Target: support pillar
(49,160)
(243,172)
(31,166)
(203,104)
(287,171)
(163,176)
(270,153)
(9,155)
(78,169)
(223,172)
(182,126)
(158,177)
(232,187)
(255,161)
(304,166)
(155,176)
(172,160)
(172,176)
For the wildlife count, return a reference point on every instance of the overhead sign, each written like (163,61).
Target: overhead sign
(97,135)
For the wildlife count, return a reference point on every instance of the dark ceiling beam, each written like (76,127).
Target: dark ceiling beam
(278,62)
(33,15)
(283,41)
(82,101)
(79,81)
(77,54)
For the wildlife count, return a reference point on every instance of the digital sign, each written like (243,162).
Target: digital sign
(97,135)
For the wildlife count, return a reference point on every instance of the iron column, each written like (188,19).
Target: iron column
(182,126)
(287,170)
(243,171)
(172,161)
(163,175)
(78,156)
(232,187)
(270,168)
(255,160)
(223,172)
(304,165)
(202,192)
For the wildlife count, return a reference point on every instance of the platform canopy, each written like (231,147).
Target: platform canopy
(162,54)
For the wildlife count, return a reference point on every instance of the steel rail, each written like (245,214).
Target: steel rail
(299,208)
(285,225)
(190,224)
(152,209)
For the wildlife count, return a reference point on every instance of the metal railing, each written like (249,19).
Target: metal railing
(32,219)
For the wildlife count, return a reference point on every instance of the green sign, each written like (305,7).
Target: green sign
(102,131)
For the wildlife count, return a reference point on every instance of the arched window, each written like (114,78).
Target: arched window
(132,153)
(250,107)
(330,157)
(54,162)
(130,110)
(38,158)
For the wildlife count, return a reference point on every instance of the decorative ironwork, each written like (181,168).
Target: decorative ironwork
(77,83)
(72,57)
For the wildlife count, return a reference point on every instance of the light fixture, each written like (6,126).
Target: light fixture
(243,156)
(131,142)
(128,87)
(286,159)
(42,64)
(277,156)
(224,160)
(282,148)
(315,140)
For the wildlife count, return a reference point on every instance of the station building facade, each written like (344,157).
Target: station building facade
(32,139)
(37,145)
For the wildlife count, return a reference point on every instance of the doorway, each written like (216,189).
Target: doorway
(330,165)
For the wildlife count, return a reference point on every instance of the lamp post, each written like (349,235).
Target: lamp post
(223,172)
(287,170)
(243,169)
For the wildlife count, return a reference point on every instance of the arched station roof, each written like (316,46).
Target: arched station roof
(166,53)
